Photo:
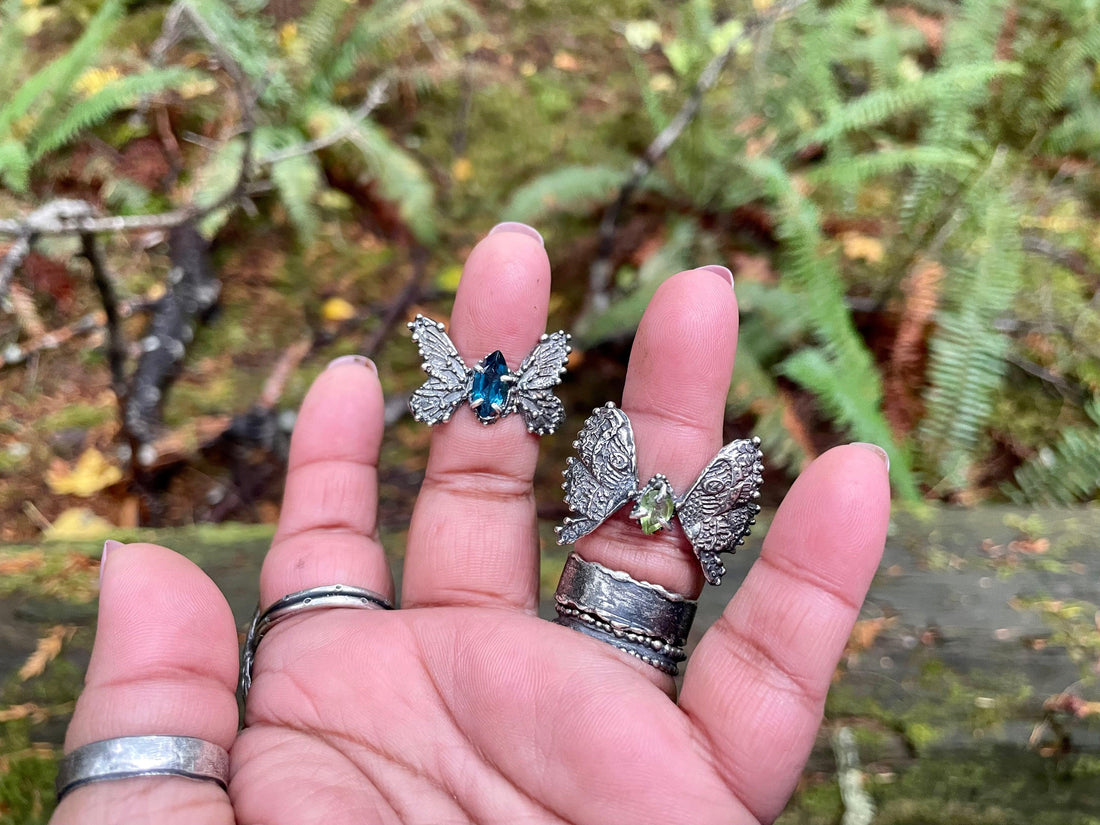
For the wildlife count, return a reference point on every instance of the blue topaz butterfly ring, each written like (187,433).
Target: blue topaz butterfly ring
(304,601)
(642,619)
(715,513)
(490,388)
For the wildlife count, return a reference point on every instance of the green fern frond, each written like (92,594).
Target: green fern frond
(967,355)
(115,97)
(850,172)
(378,26)
(400,178)
(298,179)
(875,108)
(568,188)
(855,397)
(318,28)
(15,166)
(215,180)
(12,43)
(50,87)
(1068,471)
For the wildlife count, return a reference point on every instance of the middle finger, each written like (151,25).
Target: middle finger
(473,538)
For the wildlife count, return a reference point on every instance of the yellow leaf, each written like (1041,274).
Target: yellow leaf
(91,474)
(528,68)
(78,524)
(862,247)
(95,80)
(288,36)
(46,651)
(447,280)
(337,309)
(462,170)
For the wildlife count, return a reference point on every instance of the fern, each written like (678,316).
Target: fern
(50,86)
(15,165)
(855,396)
(850,172)
(967,354)
(115,97)
(876,107)
(298,179)
(568,188)
(12,47)
(1068,471)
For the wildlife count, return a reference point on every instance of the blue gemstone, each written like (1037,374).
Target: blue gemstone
(488,389)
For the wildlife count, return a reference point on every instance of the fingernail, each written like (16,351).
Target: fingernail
(108,546)
(876,449)
(520,228)
(718,269)
(361,360)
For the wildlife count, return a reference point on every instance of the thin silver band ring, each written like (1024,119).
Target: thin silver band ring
(314,598)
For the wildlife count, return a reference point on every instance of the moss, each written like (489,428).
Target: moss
(77,416)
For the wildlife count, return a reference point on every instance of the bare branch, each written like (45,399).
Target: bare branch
(599,275)
(116,344)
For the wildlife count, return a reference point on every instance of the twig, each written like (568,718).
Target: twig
(14,259)
(599,274)
(1067,258)
(92,322)
(376,96)
(401,303)
(276,382)
(116,344)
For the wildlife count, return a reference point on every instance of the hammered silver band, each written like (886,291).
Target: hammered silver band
(642,619)
(128,756)
(315,598)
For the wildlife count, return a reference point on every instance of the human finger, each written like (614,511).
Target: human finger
(675,397)
(164,662)
(473,537)
(328,528)
(756,683)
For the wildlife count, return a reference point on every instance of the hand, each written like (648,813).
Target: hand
(463,706)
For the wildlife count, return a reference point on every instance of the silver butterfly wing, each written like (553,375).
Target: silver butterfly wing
(602,477)
(449,380)
(540,371)
(718,510)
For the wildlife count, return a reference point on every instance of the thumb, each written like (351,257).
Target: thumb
(164,662)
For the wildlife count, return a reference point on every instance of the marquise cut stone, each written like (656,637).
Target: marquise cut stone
(489,394)
(655,506)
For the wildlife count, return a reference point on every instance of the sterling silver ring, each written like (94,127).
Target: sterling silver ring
(715,513)
(128,756)
(315,598)
(642,619)
(491,390)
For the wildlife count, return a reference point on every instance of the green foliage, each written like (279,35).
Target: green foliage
(1068,470)
(302,72)
(568,188)
(839,111)
(49,109)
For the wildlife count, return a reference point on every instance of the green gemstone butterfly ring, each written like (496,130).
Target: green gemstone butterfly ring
(715,513)
(490,388)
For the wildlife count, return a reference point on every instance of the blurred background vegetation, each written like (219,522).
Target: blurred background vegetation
(906,191)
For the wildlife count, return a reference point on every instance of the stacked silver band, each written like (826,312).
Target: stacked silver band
(315,598)
(129,756)
(643,619)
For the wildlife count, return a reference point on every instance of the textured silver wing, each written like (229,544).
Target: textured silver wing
(603,476)
(540,371)
(449,379)
(718,510)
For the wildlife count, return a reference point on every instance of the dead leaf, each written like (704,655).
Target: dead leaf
(22,712)
(23,562)
(862,247)
(46,651)
(566,62)
(91,474)
(866,631)
(462,169)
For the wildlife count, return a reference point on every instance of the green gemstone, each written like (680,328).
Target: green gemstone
(655,507)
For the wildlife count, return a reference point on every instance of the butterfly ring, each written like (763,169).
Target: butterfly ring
(715,513)
(491,390)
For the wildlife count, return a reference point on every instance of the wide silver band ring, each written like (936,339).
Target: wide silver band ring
(129,756)
(315,598)
(642,619)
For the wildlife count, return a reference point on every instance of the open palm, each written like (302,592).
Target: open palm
(463,706)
